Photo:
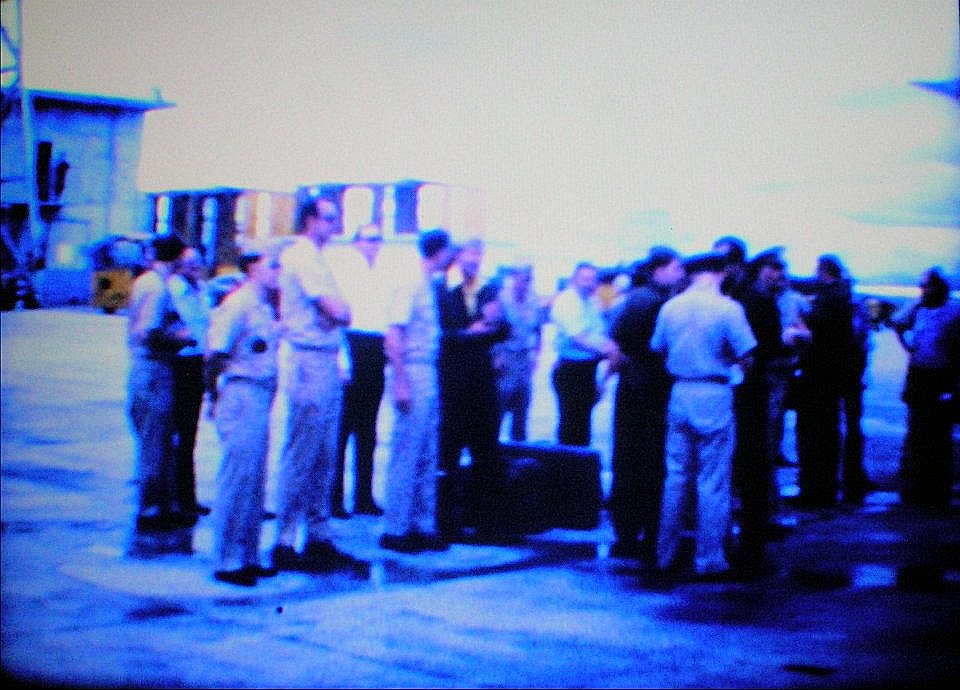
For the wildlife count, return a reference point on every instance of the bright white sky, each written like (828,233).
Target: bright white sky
(594,129)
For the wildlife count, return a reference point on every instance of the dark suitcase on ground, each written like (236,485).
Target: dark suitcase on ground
(550,486)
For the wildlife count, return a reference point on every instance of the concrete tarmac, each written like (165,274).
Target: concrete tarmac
(856,596)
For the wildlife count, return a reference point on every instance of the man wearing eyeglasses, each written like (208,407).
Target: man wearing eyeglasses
(360,275)
(314,314)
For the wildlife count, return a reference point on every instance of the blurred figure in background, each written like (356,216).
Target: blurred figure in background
(640,408)
(581,342)
(516,358)
(188,289)
(155,334)
(829,365)
(929,330)
(412,344)
(471,323)
(367,290)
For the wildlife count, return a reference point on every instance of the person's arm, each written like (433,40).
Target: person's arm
(393,344)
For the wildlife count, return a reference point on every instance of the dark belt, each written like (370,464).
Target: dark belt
(722,380)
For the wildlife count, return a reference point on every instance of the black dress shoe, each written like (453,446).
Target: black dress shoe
(241,577)
(201,509)
(341,514)
(324,557)
(269,515)
(405,543)
(284,558)
(430,542)
(259,571)
(369,509)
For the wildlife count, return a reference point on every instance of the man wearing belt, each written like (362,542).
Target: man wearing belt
(241,378)
(360,276)
(704,335)
(314,314)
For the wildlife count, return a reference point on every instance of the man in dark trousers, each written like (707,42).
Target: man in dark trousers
(640,409)
(471,322)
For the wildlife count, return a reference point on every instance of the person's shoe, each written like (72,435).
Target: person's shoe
(201,509)
(625,549)
(284,557)
(718,576)
(431,541)
(241,577)
(405,543)
(498,538)
(324,557)
(370,508)
(269,515)
(341,514)
(259,571)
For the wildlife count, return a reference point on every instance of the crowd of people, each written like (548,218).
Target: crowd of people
(708,352)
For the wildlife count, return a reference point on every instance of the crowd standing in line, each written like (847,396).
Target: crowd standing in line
(704,350)
(361,278)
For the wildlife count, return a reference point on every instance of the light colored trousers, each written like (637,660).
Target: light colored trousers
(411,481)
(243,425)
(308,465)
(699,453)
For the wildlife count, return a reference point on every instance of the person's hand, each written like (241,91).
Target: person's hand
(402,398)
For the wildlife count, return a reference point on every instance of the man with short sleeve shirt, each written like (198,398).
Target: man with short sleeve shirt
(314,314)
(704,336)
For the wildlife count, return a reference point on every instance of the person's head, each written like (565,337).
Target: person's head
(260,263)
(829,269)
(318,219)
(712,264)
(770,270)
(662,267)
(584,279)
(934,289)
(521,275)
(167,248)
(190,265)
(470,258)
(368,239)
(733,247)
(436,249)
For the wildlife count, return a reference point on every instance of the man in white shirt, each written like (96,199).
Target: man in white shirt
(366,288)
(581,344)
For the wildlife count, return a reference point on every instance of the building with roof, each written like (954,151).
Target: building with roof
(75,158)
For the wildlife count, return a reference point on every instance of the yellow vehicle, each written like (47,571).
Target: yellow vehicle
(117,261)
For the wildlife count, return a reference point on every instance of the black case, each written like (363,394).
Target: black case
(552,486)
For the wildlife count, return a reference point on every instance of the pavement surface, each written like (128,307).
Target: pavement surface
(857,596)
